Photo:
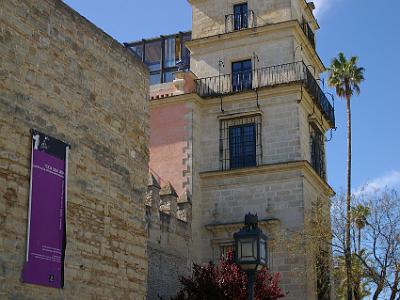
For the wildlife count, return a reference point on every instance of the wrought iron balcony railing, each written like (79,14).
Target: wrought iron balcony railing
(239,21)
(226,84)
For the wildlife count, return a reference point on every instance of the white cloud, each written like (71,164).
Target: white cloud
(322,6)
(389,180)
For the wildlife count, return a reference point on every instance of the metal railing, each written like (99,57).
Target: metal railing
(319,97)
(239,21)
(226,84)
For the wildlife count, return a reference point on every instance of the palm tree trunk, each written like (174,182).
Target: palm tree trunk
(348,204)
(357,280)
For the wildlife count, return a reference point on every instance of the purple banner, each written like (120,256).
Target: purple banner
(47,202)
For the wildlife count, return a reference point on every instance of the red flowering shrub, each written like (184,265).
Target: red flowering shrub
(226,281)
(266,286)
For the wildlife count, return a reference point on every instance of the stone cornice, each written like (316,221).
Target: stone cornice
(190,97)
(250,95)
(242,96)
(235,226)
(302,165)
(241,114)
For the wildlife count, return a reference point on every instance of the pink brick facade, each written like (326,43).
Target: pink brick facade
(168,134)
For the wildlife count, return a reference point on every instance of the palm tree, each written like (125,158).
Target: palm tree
(360,214)
(345,76)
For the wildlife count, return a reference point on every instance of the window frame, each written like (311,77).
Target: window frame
(243,21)
(317,150)
(239,157)
(238,81)
(184,54)
(225,143)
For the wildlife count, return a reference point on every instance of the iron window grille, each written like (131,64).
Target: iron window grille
(317,141)
(240,142)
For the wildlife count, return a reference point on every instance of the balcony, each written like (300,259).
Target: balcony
(296,72)
(239,21)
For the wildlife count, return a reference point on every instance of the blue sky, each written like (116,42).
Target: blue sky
(368,29)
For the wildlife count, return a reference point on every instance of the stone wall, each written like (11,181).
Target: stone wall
(272,48)
(282,196)
(275,194)
(65,77)
(213,17)
(279,118)
(209,15)
(168,219)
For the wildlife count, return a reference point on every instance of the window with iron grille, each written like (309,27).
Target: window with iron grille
(317,142)
(240,142)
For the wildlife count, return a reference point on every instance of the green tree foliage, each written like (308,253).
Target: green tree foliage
(361,290)
(375,261)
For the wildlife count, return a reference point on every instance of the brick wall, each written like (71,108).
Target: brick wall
(169,135)
(65,77)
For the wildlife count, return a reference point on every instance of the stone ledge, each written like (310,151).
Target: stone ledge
(302,165)
(216,227)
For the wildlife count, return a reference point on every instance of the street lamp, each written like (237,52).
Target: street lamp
(251,249)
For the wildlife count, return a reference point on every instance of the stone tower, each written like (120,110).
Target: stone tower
(243,130)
